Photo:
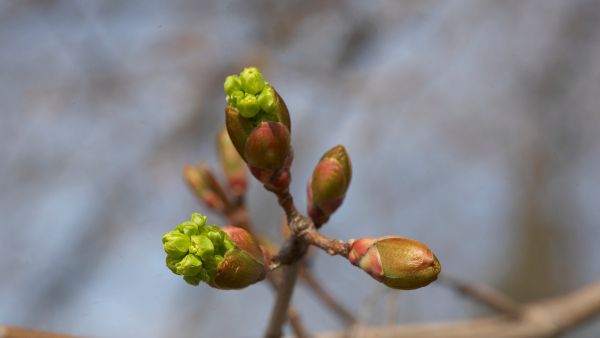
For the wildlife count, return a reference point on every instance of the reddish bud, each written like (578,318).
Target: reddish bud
(241,266)
(203,183)
(398,262)
(328,184)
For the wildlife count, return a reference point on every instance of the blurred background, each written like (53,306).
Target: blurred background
(473,126)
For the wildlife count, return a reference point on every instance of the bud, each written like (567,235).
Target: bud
(268,146)
(232,84)
(328,184)
(252,80)
(232,164)
(203,183)
(259,127)
(227,258)
(398,262)
(248,106)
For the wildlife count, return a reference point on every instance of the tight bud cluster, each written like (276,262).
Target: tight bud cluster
(227,258)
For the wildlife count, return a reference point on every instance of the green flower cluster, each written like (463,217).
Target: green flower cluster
(251,95)
(194,249)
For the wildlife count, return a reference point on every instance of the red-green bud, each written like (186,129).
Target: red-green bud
(398,262)
(328,184)
(227,258)
(232,164)
(203,183)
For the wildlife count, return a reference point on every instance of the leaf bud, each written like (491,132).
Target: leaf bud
(203,183)
(398,262)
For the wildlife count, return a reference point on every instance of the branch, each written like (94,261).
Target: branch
(282,302)
(17,332)
(542,319)
(326,297)
(485,295)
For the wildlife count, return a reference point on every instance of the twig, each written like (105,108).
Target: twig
(18,332)
(542,319)
(325,297)
(238,215)
(282,302)
(484,294)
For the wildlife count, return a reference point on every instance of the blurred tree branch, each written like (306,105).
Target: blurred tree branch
(545,318)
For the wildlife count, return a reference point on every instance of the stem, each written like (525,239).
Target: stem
(486,295)
(282,302)
(326,297)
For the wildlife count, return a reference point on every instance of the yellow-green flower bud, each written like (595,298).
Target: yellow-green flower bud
(248,106)
(202,246)
(252,80)
(267,99)
(176,243)
(235,97)
(398,262)
(232,84)
(190,265)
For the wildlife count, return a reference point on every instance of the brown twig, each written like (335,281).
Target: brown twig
(484,294)
(237,215)
(18,332)
(325,297)
(282,301)
(542,319)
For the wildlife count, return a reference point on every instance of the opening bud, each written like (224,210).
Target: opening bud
(328,184)
(259,127)
(228,258)
(398,262)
